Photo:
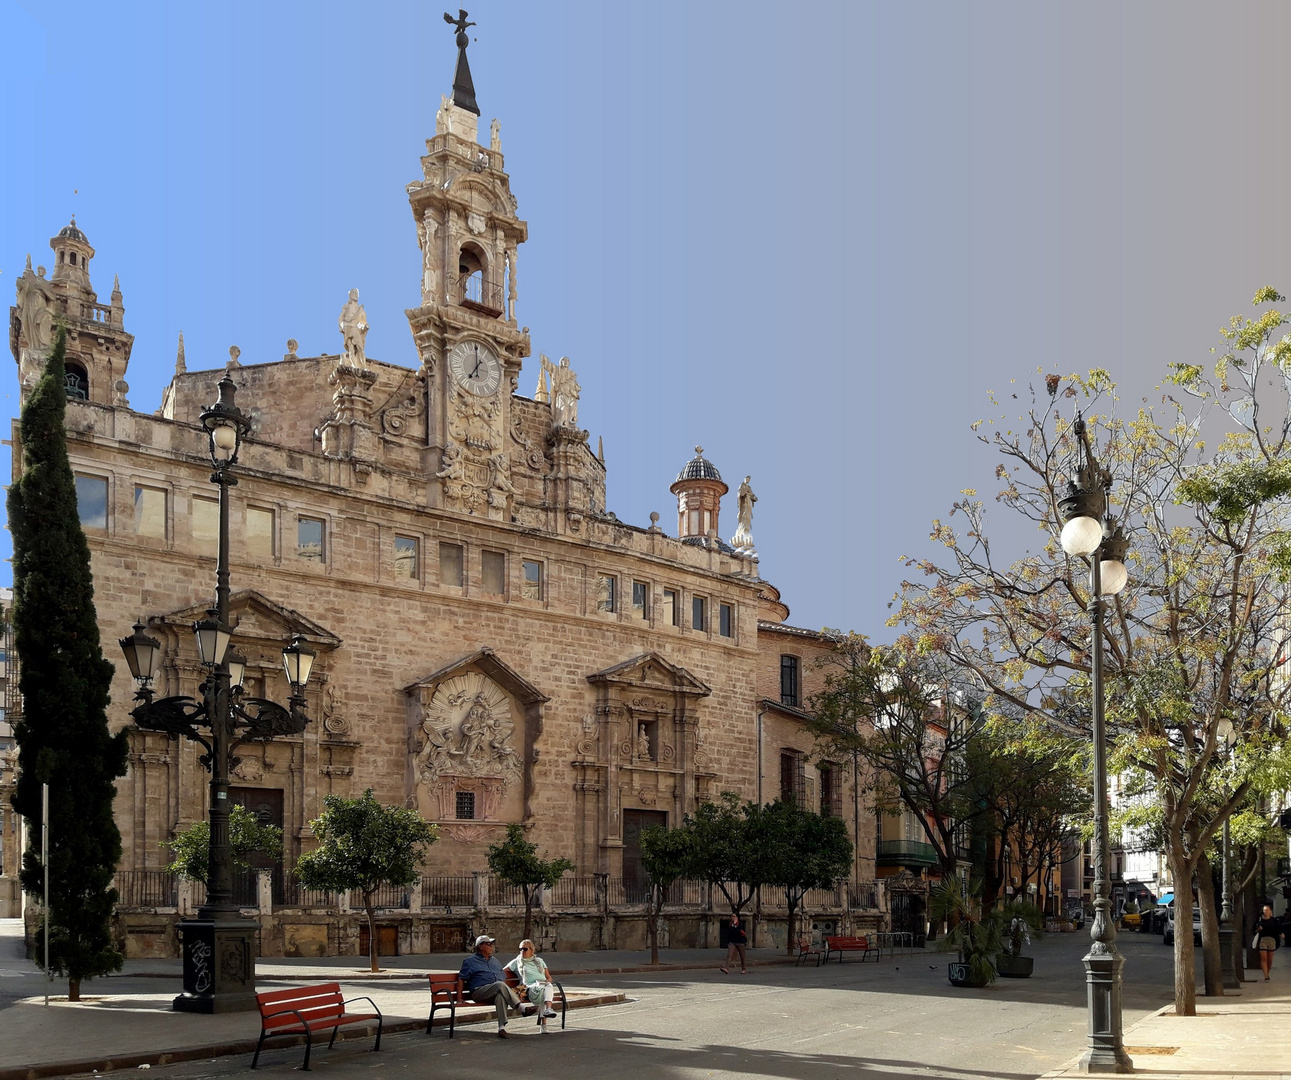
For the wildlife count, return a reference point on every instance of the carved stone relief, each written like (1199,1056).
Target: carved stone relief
(475,469)
(468,732)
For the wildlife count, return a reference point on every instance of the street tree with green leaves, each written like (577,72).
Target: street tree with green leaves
(365,845)
(247,837)
(666,857)
(805,851)
(725,848)
(63,736)
(1198,637)
(515,860)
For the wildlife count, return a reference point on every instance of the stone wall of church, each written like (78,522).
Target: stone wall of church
(389,632)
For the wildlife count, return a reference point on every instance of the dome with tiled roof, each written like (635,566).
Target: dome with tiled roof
(699,468)
(71,232)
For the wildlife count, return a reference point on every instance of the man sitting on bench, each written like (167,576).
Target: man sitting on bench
(486,982)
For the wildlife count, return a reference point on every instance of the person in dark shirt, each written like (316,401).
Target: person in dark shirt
(1268,935)
(486,982)
(736,939)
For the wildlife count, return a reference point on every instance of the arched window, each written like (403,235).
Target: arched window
(78,383)
(474,288)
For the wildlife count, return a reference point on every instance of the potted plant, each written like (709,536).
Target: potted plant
(1017,920)
(975,939)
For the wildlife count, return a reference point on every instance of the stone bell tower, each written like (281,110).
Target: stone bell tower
(98,348)
(466,333)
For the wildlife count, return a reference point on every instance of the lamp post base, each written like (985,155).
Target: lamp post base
(219,964)
(1231,981)
(1106,1052)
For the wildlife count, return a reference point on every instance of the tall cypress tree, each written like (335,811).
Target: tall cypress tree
(63,738)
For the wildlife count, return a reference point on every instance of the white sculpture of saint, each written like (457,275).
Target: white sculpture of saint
(495,136)
(354,330)
(564,392)
(743,538)
(643,742)
(36,309)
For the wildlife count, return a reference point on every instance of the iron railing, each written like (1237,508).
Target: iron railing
(146,888)
(386,898)
(442,890)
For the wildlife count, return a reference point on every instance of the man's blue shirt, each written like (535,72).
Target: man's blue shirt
(477,972)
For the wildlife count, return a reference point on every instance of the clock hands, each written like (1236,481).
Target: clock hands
(475,371)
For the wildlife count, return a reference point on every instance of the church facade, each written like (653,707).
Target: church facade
(493,645)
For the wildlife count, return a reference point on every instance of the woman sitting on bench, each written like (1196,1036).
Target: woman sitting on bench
(531,971)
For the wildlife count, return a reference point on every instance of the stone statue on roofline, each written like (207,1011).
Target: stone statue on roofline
(743,538)
(354,331)
(564,392)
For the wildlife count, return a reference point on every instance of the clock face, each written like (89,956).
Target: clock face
(475,368)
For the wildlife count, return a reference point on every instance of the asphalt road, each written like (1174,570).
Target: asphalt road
(897,1018)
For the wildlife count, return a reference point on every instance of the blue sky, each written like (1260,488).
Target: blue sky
(809,237)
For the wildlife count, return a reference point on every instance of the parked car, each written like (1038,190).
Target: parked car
(1167,935)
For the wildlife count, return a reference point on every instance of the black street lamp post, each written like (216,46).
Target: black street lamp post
(1091,531)
(1224,730)
(219,945)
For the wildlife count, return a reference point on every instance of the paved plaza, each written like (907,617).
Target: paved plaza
(895,1018)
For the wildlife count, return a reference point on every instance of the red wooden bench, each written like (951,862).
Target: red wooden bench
(302,1010)
(841,945)
(446,992)
(806,948)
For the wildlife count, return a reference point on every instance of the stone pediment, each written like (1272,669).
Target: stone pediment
(650,671)
(254,617)
(489,663)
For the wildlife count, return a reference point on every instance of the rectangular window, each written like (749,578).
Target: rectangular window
(639,592)
(407,558)
(694,523)
(309,539)
(670,607)
(204,521)
(793,779)
(466,806)
(725,620)
(92,501)
(606,593)
(260,530)
(493,565)
(531,588)
(450,564)
(830,802)
(698,613)
(788,680)
(150,512)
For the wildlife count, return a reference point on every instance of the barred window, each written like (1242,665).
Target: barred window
(789,680)
(465,806)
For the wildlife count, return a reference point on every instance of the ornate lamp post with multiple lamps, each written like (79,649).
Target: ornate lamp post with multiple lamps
(1092,532)
(219,945)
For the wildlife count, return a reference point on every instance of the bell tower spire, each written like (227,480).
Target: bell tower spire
(463,87)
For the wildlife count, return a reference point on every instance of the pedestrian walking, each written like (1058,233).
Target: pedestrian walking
(1268,935)
(736,939)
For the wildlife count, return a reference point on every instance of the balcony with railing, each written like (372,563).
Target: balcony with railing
(911,853)
(474,293)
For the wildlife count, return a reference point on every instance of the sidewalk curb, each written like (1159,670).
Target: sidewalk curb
(393,974)
(247,1046)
